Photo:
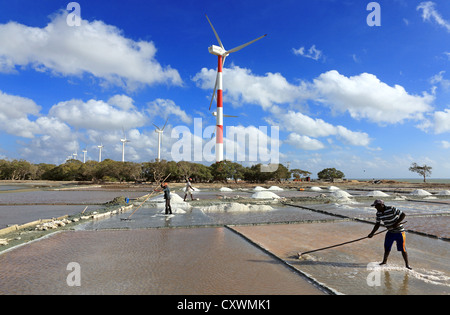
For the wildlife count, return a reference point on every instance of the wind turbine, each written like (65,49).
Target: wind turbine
(124,140)
(84,155)
(160,131)
(100,152)
(222,54)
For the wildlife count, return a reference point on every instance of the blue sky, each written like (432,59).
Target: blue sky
(368,100)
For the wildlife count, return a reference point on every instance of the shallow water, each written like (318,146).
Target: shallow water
(346,269)
(343,269)
(202,261)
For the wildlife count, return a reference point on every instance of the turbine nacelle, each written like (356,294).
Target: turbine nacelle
(218,51)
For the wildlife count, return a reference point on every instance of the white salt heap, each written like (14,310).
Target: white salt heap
(259,188)
(235,207)
(315,188)
(275,188)
(340,194)
(377,193)
(333,188)
(265,195)
(420,192)
(444,193)
(225,189)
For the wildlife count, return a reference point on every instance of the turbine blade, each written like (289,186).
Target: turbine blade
(230,116)
(245,45)
(214,92)
(217,36)
(165,124)
(155,126)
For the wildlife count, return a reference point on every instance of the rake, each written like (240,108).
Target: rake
(148,197)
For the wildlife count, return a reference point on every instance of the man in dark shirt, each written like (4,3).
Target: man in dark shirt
(166,191)
(392,218)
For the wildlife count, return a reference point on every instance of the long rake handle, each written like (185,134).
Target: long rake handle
(359,239)
(146,199)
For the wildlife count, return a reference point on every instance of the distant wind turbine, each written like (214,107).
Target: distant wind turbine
(84,155)
(221,53)
(124,140)
(100,152)
(160,131)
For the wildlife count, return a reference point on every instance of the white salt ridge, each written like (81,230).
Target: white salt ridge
(235,207)
(333,188)
(275,188)
(315,188)
(259,188)
(340,194)
(225,189)
(265,195)
(377,193)
(444,193)
(420,192)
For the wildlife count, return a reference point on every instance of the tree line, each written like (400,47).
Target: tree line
(115,171)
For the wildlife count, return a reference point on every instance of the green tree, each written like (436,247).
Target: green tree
(298,173)
(424,170)
(330,174)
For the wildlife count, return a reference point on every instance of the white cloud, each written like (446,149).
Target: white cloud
(304,142)
(165,108)
(439,79)
(14,115)
(94,48)
(312,53)
(242,86)
(99,115)
(429,13)
(442,121)
(365,96)
(445,144)
(303,125)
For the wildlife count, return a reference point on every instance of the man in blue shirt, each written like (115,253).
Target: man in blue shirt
(392,218)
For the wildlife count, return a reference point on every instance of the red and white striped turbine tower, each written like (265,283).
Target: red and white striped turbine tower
(222,54)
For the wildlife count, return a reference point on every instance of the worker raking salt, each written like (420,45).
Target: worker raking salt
(188,190)
(392,218)
(166,191)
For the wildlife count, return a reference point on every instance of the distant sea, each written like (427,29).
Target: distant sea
(411,180)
